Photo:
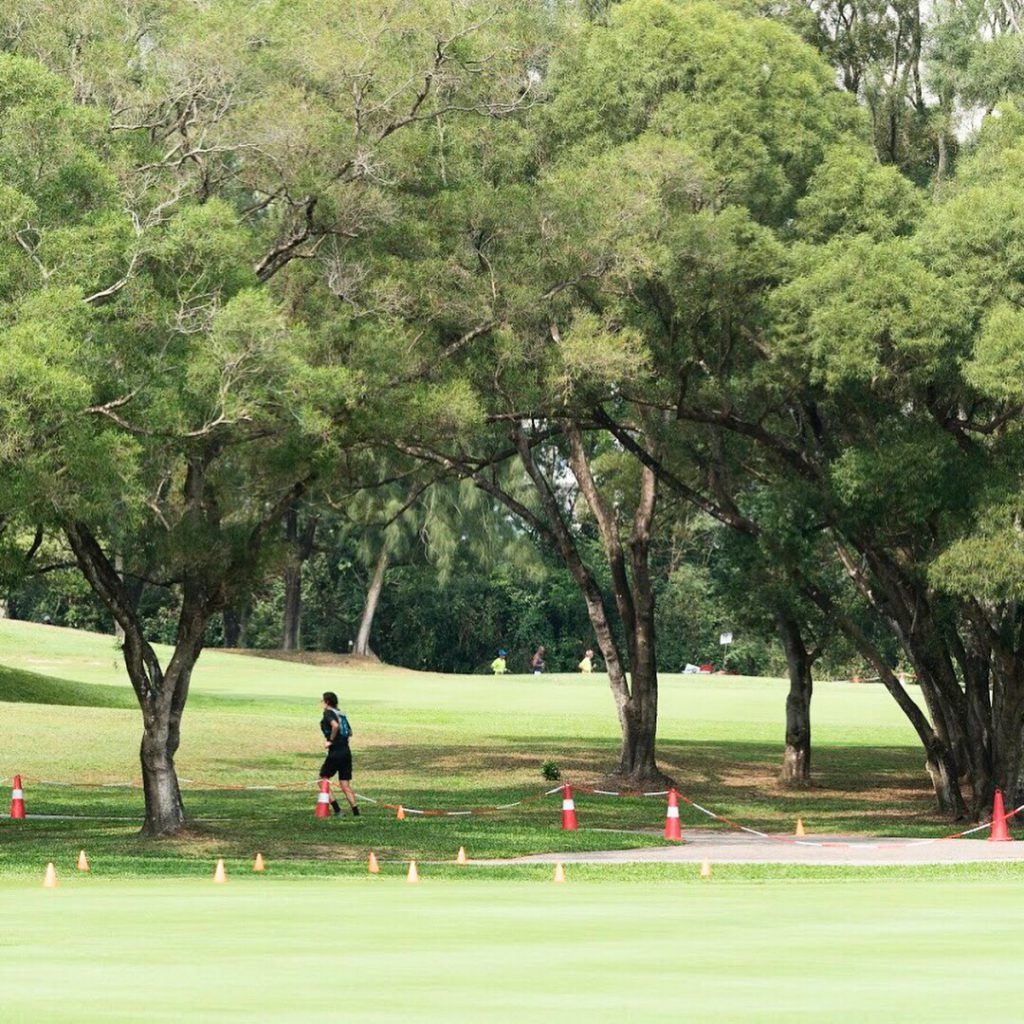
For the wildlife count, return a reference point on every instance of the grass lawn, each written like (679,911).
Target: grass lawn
(377,949)
(69,724)
(148,936)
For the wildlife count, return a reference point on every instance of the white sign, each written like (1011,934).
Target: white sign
(725,638)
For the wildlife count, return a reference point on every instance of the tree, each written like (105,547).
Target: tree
(648,217)
(203,407)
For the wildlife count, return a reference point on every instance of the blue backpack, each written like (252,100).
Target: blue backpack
(344,729)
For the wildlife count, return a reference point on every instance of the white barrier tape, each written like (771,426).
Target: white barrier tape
(611,792)
(969,832)
(806,842)
(457,814)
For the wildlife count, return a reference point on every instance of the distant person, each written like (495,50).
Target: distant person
(587,664)
(498,666)
(334,725)
(537,662)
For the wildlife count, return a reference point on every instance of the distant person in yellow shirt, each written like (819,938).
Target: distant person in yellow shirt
(587,664)
(498,666)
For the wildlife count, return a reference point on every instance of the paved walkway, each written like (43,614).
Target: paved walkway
(741,848)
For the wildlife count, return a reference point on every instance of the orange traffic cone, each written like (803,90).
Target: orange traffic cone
(414,875)
(705,869)
(17,799)
(672,829)
(257,864)
(462,858)
(1000,833)
(372,866)
(323,800)
(401,814)
(83,861)
(220,876)
(559,873)
(800,827)
(568,810)
(50,881)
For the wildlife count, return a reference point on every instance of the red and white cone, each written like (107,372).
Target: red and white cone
(672,829)
(1000,833)
(17,799)
(568,810)
(323,800)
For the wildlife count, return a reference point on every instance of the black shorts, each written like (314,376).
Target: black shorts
(339,761)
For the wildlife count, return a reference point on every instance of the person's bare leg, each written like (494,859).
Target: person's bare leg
(346,788)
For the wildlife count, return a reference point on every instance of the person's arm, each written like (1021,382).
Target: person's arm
(335,726)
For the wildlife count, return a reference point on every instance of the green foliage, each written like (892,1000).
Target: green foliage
(850,194)
(750,101)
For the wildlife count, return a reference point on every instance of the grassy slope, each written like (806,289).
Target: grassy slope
(377,950)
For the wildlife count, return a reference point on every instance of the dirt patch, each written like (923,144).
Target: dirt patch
(320,659)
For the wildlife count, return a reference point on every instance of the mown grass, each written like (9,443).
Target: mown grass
(422,740)
(484,949)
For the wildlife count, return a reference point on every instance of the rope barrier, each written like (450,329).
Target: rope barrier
(795,841)
(496,808)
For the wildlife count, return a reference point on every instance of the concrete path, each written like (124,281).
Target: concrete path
(741,848)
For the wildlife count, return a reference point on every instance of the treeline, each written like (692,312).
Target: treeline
(453,620)
(488,280)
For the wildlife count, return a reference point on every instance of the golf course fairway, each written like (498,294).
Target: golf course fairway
(480,949)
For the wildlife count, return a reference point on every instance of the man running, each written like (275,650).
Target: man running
(339,756)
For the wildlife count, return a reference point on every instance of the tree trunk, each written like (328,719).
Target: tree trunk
(119,569)
(362,644)
(302,548)
(292,608)
(165,811)
(796,760)
(633,591)
(234,627)
(638,718)
(161,694)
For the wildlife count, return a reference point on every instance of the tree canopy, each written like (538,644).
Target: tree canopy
(702,299)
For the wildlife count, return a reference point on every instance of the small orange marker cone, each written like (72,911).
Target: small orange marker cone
(414,875)
(257,864)
(50,881)
(17,799)
(569,823)
(462,858)
(83,861)
(705,869)
(220,876)
(800,827)
(401,814)
(672,829)
(1000,833)
(559,873)
(372,866)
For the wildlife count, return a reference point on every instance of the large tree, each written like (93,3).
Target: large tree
(192,268)
(676,141)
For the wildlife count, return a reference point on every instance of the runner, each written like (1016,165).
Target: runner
(334,726)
